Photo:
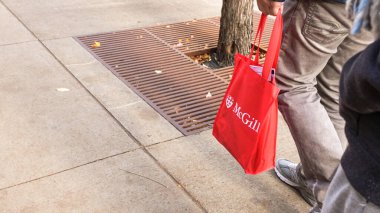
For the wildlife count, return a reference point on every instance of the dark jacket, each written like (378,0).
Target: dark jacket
(360,107)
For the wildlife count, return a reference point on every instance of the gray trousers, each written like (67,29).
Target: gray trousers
(341,197)
(316,44)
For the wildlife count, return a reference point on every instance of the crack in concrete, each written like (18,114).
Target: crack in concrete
(142,176)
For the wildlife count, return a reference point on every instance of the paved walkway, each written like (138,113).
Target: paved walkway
(74,138)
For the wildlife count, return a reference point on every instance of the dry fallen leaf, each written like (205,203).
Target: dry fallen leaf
(178,45)
(206,57)
(96,44)
(187,40)
(176,109)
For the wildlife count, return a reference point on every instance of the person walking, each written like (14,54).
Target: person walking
(316,43)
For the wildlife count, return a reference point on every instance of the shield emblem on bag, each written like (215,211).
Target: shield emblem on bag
(229,102)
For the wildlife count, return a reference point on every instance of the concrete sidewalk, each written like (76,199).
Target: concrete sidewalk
(74,138)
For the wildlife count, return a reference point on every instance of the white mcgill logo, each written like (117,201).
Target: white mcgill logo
(244,117)
(229,102)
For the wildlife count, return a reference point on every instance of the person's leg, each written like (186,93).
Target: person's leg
(328,79)
(342,197)
(313,33)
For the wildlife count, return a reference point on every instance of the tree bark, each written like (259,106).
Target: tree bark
(235,30)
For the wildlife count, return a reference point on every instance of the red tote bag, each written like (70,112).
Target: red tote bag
(246,123)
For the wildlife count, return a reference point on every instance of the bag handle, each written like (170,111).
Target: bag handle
(273,51)
(271,58)
(259,34)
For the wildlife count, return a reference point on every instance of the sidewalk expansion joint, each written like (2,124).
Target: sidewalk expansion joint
(22,42)
(162,142)
(69,169)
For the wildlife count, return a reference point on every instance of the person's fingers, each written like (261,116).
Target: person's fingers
(269,7)
(264,6)
(274,7)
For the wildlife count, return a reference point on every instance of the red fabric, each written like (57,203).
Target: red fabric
(246,123)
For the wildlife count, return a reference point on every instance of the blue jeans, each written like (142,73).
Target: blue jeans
(316,44)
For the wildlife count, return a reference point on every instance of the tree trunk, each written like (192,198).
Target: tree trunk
(235,30)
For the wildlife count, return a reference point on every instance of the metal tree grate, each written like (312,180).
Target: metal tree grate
(153,62)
